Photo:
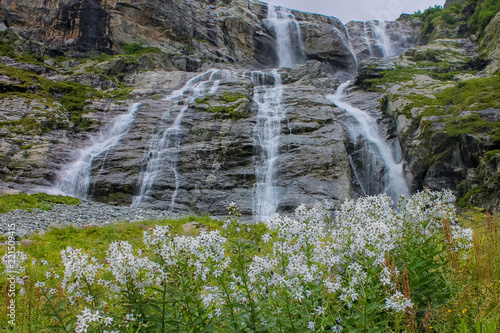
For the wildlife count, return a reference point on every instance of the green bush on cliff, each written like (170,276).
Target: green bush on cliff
(131,48)
(138,48)
(434,16)
(484,12)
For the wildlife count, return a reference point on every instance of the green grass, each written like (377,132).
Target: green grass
(97,239)
(138,49)
(9,202)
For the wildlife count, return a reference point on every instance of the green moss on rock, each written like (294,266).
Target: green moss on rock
(231,97)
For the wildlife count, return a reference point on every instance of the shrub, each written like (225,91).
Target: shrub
(131,48)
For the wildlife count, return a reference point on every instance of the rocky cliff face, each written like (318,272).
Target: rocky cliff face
(60,95)
(382,39)
(215,163)
(491,44)
(192,33)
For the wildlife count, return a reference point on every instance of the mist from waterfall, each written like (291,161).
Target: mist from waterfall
(74,178)
(381,167)
(165,146)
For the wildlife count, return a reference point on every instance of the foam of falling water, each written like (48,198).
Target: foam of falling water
(379,29)
(165,145)
(346,40)
(266,141)
(288,38)
(367,40)
(396,183)
(74,179)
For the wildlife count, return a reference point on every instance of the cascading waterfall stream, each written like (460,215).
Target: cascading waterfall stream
(165,145)
(346,40)
(74,179)
(367,40)
(266,142)
(379,29)
(289,45)
(393,180)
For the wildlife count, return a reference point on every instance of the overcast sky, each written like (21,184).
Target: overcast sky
(359,10)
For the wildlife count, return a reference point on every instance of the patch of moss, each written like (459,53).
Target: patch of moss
(8,39)
(119,94)
(25,126)
(465,200)
(42,201)
(429,55)
(137,49)
(471,95)
(225,112)
(231,97)
(467,125)
(72,95)
(201,100)
(375,78)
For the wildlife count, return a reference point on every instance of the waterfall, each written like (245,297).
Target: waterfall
(74,178)
(386,39)
(380,170)
(289,44)
(346,40)
(379,29)
(164,147)
(266,142)
(367,40)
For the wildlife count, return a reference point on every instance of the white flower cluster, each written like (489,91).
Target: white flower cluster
(126,267)
(398,303)
(205,252)
(87,317)
(78,265)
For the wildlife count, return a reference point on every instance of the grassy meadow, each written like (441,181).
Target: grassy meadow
(371,268)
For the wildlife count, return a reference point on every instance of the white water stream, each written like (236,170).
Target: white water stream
(379,29)
(389,175)
(267,134)
(289,44)
(164,147)
(74,178)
